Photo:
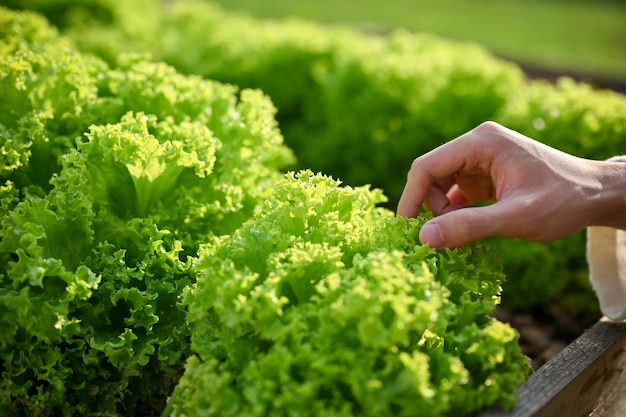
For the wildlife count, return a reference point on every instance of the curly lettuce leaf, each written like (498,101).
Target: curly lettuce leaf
(111,179)
(325,304)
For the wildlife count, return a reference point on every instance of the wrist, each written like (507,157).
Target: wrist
(608,207)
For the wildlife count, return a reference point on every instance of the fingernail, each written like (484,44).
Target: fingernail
(431,234)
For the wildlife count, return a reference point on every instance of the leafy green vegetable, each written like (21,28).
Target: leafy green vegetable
(360,107)
(150,243)
(323,304)
(105,27)
(111,178)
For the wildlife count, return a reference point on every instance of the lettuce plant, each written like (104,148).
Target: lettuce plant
(110,179)
(324,304)
(361,106)
(150,244)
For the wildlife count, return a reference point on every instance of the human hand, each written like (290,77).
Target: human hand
(538,193)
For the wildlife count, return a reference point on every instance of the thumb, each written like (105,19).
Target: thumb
(460,227)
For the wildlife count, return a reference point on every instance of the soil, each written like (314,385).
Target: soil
(542,336)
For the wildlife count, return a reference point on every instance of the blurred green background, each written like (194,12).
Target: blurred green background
(585,39)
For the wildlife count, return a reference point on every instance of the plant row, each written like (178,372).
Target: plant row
(155,258)
(360,107)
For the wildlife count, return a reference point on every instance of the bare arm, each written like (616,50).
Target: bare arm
(537,192)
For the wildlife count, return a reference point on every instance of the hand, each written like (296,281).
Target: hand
(538,193)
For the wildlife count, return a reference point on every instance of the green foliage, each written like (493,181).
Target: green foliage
(105,27)
(361,107)
(285,58)
(323,304)
(369,105)
(110,180)
(123,181)
(548,36)
(392,99)
(67,13)
(355,106)
(570,116)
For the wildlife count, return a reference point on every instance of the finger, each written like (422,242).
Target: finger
(456,196)
(411,199)
(466,225)
(436,166)
(455,228)
(423,186)
(474,188)
(436,200)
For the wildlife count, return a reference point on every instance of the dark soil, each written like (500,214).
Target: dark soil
(542,336)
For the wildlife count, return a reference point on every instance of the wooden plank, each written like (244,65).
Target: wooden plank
(612,402)
(587,378)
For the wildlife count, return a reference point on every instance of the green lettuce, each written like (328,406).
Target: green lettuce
(324,304)
(150,244)
(111,177)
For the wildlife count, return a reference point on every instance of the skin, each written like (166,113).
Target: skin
(537,193)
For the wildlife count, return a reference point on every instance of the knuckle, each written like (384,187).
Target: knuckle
(416,165)
(417,162)
(490,134)
(489,127)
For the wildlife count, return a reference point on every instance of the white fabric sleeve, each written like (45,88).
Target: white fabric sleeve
(606,256)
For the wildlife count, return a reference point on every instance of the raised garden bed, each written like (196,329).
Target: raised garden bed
(108,321)
(587,378)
